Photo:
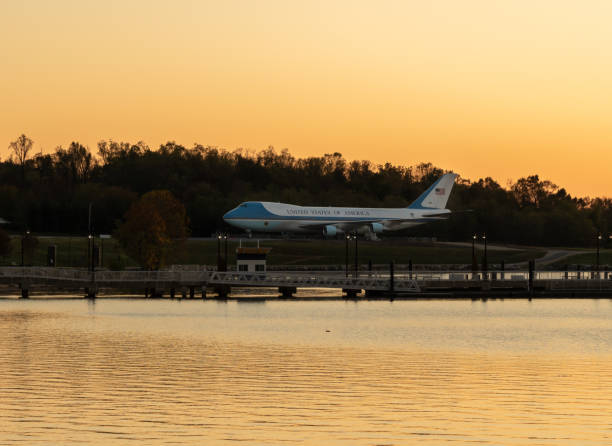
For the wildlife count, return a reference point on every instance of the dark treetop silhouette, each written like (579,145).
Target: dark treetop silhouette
(51,192)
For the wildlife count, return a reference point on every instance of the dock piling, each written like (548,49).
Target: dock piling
(351,293)
(222,291)
(531,275)
(287,291)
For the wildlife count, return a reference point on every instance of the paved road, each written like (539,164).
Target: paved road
(480,244)
(551,256)
(554,255)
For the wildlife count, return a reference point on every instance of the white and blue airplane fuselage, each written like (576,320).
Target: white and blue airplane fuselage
(261,216)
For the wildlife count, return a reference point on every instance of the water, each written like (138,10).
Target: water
(155,372)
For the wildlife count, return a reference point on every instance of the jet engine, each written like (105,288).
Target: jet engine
(377,228)
(330,231)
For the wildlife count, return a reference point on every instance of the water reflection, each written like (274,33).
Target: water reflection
(334,373)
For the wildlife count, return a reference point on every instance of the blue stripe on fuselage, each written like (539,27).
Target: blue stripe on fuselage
(253,210)
(250,209)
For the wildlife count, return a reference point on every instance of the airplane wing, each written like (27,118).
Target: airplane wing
(344,225)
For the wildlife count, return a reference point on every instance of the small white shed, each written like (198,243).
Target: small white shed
(251,259)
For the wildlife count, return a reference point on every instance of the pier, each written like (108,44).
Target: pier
(425,284)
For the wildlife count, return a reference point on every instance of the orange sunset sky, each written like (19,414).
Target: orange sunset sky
(482,87)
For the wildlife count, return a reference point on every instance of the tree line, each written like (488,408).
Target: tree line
(50,193)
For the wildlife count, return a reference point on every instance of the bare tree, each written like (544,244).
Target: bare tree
(76,162)
(21,147)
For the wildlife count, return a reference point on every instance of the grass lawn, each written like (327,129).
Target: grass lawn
(330,252)
(72,251)
(605,258)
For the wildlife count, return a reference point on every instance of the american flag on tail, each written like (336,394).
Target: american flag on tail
(440,191)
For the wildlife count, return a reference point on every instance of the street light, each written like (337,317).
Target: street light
(347,238)
(474,262)
(221,262)
(89,239)
(225,260)
(356,258)
(485,265)
(597,262)
(90,252)
(219,252)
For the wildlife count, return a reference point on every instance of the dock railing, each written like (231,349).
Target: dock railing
(403,281)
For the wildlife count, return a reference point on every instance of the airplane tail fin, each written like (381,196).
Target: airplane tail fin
(436,196)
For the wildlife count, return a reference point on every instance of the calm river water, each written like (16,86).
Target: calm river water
(121,371)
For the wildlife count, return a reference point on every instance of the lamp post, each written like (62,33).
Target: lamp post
(474,262)
(597,261)
(218,252)
(89,239)
(346,257)
(225,259)
(356,258)
(90,252)
(485,264)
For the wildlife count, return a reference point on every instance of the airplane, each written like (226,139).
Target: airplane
(262,216)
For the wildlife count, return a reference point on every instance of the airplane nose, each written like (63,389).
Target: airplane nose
(228,215)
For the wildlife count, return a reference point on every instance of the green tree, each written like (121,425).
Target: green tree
(153,225)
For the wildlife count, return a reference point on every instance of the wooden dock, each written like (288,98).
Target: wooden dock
(372,284)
